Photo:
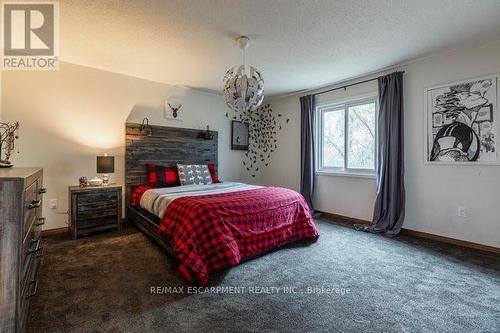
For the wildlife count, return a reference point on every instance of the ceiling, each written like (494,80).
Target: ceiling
(296,44)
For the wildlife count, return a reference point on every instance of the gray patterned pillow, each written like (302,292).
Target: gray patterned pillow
(194,174)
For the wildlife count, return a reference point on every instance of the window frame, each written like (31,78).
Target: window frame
(344,105)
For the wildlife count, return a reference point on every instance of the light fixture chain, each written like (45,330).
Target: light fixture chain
(244,58)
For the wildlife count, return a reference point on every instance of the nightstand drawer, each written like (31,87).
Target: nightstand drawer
(96,213)
(90,207)
(96,204)
(88,225)
(95,197)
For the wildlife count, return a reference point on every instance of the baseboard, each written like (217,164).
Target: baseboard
(63,230)
(342,218)
(55,231)
(449,240)
(420,234)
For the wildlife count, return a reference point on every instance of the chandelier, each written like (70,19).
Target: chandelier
(243,85)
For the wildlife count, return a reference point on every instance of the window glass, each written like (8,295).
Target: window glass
(333,139)
(361,146)
(346,137)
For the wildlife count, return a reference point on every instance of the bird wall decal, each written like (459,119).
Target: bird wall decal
(264,126)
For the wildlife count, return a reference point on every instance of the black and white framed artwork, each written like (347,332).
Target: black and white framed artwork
(461,122)
(239,135)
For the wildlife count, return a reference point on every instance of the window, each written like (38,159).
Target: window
(346,137)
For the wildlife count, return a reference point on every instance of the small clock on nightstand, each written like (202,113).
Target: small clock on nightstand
(94,208)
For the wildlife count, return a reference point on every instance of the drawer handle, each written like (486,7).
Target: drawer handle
(40,252)
(34,204)
(37,246)
(41,221)
(42,190)
(35,289)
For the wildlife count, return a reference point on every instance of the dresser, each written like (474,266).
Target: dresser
(21,223)
(94,208)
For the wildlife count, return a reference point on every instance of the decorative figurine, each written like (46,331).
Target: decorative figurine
(8,133)
(83,181)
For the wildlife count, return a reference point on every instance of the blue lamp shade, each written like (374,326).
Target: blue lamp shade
(105,164)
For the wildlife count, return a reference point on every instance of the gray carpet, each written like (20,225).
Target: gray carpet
(102,284)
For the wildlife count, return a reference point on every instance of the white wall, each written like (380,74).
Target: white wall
(0,95)
(434,193)
(69,116)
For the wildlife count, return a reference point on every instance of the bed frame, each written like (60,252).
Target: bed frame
(164,146)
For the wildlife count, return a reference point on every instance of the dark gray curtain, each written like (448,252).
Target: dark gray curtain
(389,211)
(307,148)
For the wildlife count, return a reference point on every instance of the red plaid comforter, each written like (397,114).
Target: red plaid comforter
(210,232)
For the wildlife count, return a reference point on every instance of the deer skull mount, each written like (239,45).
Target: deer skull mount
(175,107)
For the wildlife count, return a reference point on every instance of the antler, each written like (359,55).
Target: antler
(7,138)
(173,108)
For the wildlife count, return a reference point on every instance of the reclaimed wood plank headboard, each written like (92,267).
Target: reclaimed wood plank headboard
(165,146)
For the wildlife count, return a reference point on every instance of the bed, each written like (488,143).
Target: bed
(206,227)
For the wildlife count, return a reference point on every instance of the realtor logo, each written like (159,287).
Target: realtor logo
(30,35)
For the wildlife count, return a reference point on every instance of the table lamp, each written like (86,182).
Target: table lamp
(105,165)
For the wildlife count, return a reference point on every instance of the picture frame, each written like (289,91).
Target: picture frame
(461,122)
(239,135)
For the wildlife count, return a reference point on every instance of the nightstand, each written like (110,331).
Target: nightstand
(94,208)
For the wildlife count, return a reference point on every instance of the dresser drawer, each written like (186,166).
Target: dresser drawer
(29,289)
(32,246)
(31,267)
(32,204)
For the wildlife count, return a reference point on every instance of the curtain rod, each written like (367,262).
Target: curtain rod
(352,84)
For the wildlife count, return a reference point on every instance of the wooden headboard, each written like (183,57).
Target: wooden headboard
(166,146)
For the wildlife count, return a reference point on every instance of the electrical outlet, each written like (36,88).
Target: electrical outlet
(53,203)
(462,212)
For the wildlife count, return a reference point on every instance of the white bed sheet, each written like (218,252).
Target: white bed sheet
(157,200)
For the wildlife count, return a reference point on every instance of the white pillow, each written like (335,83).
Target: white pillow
(194,174)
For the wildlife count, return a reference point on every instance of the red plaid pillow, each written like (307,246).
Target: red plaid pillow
(163,176)
(213,173)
